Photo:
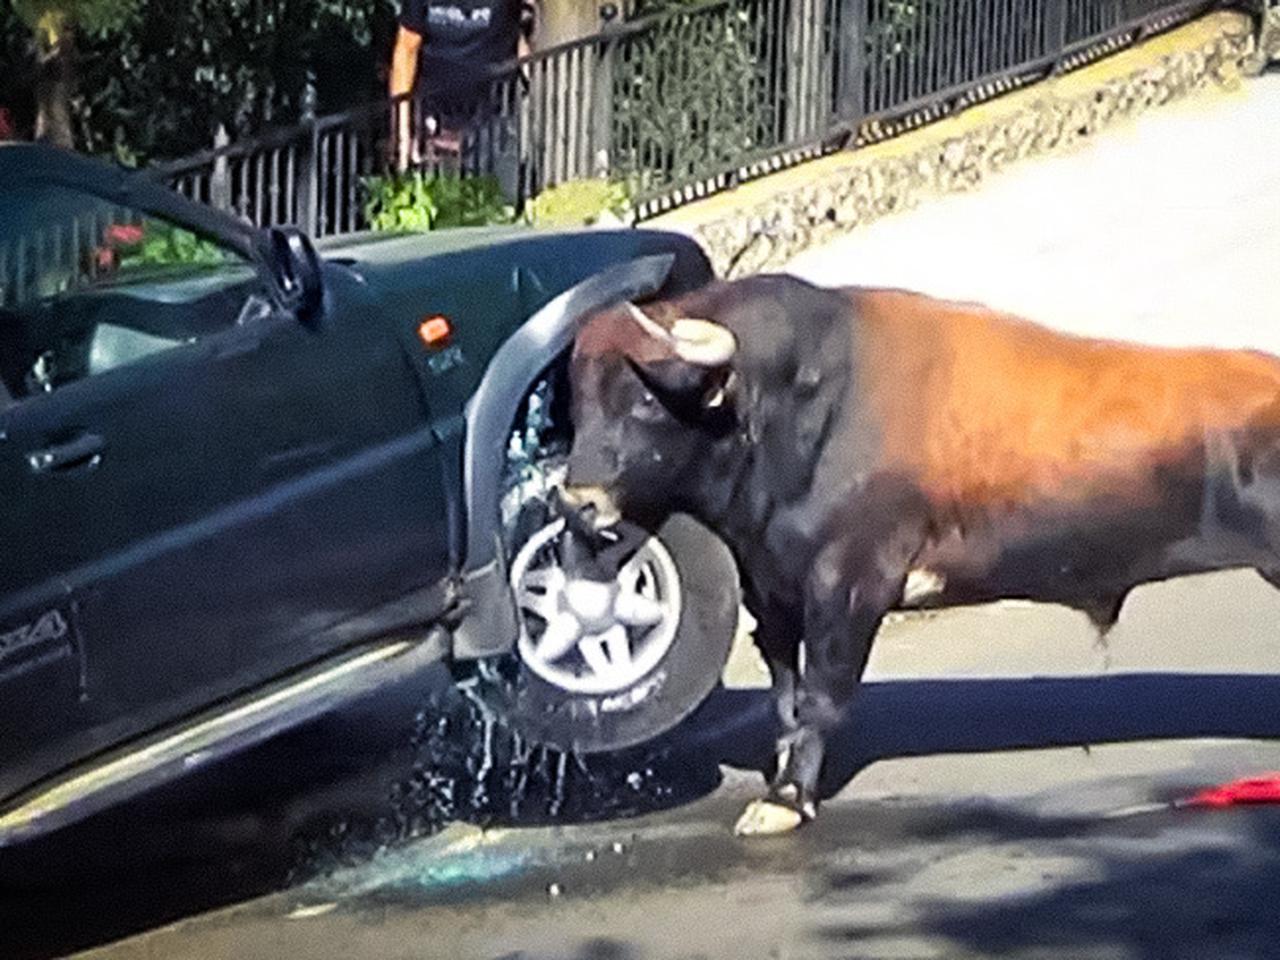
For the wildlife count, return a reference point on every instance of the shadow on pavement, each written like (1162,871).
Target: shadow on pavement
(340,789)
(223,835)
(914,718)
(1149,905)
(1161,888)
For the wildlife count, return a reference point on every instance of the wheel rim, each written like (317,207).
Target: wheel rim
(593,637)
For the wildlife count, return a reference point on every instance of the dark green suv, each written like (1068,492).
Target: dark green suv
(244,482)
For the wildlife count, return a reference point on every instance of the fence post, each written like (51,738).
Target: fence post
(600,119)
(852,59)
(220,179)
(306,170)
(1055,29)
(1266,43)
(802,36)
(793,35)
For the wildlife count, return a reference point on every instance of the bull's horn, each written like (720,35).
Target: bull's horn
(699,342)
(648,324)
(702,342)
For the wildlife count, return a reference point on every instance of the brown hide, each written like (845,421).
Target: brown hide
(985,410)
(880,448)
(1049,466)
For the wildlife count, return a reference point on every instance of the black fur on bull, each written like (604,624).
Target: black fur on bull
(861,450)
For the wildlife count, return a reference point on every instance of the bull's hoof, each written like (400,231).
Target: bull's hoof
(764,818)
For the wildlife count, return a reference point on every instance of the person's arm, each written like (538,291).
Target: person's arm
(528,26)
(404,61)
(404,72)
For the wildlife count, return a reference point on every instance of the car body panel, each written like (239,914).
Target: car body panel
(265,498)
(224,462)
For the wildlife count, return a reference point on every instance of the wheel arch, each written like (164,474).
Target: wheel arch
(490,624)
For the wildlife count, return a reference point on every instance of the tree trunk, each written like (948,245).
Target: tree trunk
(55,79)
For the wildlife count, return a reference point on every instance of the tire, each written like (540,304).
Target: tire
(652,702)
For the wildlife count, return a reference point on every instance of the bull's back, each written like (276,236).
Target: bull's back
(982,408)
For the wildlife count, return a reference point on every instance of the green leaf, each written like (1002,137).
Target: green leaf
(417,201)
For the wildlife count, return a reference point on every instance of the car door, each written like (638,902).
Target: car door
(41,657)
(213,488)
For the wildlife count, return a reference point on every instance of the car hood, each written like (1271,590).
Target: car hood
(524,266)
(390,249)
(485,282)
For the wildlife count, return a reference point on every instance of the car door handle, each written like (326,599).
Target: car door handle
(84,451)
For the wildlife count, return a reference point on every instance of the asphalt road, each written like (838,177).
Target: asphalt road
(976,789)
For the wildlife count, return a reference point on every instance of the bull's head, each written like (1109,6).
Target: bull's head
(649,400)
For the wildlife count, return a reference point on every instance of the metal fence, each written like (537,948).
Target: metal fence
(683,102)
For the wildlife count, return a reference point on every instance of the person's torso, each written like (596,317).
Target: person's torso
(476,33)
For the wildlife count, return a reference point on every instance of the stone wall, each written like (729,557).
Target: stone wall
(763,224)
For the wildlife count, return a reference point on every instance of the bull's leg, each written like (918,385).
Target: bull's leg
(850,589)
(778,641)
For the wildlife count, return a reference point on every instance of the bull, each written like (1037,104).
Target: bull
(863,450)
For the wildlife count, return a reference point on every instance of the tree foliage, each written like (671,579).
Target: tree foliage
(17,69)
(577,203)
(156,77)
(691,94)
(424,201)
(91,16)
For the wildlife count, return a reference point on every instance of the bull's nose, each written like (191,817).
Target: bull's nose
(592,504)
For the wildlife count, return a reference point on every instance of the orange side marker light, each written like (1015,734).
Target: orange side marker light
(434,331)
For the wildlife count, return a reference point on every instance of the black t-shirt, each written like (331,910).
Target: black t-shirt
(462,39)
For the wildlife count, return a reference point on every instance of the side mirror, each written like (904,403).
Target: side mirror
(293,267)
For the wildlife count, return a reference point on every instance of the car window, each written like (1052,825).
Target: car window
(87,286)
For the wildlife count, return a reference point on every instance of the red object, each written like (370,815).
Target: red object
(1263,789)
(124,234)
(433,331)
(7,130)
(104,258)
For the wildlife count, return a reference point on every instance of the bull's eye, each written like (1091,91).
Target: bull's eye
(647,407)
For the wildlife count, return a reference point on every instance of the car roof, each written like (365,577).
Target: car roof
(48,162)
(137,189)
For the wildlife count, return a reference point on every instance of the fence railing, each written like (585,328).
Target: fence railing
(680,103)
